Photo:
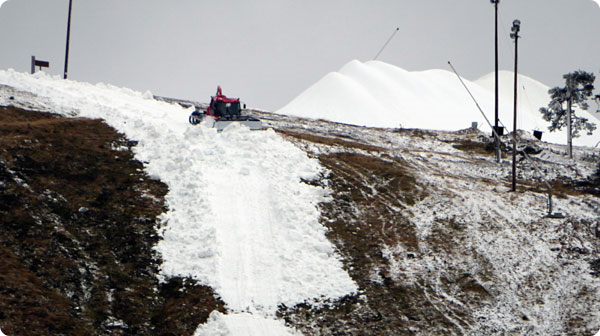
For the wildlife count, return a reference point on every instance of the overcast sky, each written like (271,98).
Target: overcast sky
(268,51)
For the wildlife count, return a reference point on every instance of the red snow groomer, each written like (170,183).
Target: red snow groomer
(224,111)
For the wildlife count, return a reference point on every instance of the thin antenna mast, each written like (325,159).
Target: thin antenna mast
(386,43)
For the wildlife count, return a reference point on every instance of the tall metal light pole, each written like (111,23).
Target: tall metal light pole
(68,38)
(497,141)
(516,27)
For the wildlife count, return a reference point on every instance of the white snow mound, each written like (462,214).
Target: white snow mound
(378,94)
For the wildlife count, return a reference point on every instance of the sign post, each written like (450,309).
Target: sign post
(38,63)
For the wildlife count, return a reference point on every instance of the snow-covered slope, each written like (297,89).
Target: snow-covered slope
(240,220)
(378,94)
(423,219)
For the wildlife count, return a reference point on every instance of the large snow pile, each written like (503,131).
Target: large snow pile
(378,94)
(240,220)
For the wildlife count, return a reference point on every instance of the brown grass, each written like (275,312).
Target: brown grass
(475,147)
(561,188)
(80,235)
(330,141)
(25,298)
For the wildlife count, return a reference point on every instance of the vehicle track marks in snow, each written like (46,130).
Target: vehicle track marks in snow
(272,249)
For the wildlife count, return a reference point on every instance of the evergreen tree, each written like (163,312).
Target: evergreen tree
(579,85)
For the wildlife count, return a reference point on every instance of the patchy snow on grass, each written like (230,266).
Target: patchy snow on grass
(488,259)
(501,241)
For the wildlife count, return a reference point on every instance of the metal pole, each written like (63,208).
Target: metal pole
(569,135)
(32,65)
(549,199)
(476,103)
(514,152)
(68,38)
(386,43)
(496,81)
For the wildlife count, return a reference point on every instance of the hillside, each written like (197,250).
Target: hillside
(421,222)
(437,243)
(239,219)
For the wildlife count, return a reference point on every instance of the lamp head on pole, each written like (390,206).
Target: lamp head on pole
(516,27)
(495,1)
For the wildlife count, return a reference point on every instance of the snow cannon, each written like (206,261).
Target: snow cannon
(223,111)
